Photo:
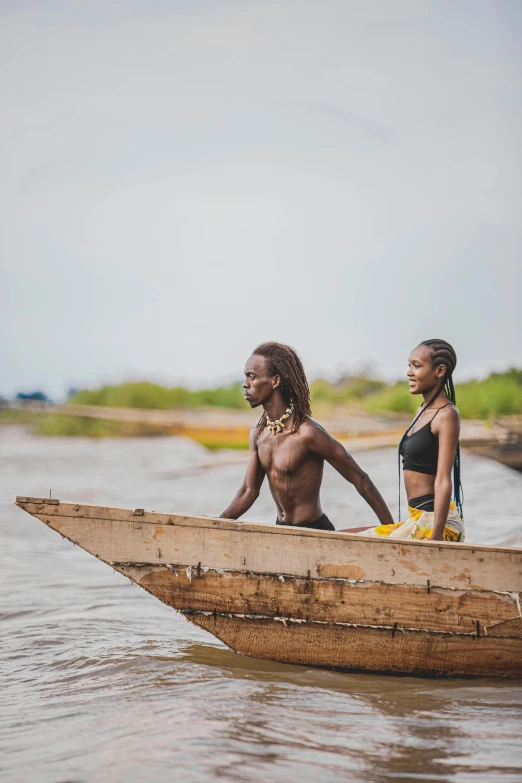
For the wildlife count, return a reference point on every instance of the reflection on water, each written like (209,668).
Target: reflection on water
(102,682)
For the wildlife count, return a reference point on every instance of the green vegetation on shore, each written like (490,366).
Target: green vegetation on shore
(500,394)
(143,394)
(83,426)
(56,424)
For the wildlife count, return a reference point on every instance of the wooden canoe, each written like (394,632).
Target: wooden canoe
(313,597)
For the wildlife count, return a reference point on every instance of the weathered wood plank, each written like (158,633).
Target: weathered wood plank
(38,506)
(361,603)
(367,649)
(505,628)
(147,537)
(42,502)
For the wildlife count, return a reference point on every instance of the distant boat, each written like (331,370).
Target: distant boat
(316,598)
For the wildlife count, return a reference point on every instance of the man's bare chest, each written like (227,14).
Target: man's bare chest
(282,454)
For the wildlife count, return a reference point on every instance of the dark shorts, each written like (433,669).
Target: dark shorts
(323,523)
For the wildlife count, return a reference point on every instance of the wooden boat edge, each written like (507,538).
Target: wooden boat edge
(188,520)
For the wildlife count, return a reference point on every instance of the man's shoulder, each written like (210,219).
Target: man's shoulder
(255,432)
(309,429)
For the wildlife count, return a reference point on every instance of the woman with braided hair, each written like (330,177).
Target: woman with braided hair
(289,447)
(430,451)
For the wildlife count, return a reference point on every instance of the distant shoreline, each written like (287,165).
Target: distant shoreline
(221,428)
(211,426)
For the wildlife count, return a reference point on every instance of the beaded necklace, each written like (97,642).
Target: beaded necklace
(278,424)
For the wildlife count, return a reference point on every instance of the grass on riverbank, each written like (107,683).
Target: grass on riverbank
(500,394)
(58,425)
(152,396)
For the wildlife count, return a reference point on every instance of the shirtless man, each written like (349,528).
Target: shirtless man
(290,447)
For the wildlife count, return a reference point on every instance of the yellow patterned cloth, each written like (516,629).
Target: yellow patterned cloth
(420,526)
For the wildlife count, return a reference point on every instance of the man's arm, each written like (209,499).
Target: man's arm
(249,489)
(321,443)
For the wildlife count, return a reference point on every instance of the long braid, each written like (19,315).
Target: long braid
(442,353)
(284,361)
(458,493)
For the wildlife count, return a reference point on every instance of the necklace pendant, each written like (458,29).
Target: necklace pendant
(279,424)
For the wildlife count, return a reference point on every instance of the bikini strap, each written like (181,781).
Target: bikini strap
(441,407)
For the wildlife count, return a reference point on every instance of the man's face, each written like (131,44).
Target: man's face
(422,375)
(258,384)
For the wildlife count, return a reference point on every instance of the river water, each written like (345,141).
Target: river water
(102,682)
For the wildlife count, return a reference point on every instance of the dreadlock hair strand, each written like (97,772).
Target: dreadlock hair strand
(284,361)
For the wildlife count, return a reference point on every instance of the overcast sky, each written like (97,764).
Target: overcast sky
(182,180)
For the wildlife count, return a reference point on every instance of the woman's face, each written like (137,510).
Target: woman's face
(422,376)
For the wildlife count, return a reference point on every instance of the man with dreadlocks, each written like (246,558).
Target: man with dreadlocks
(290,448)
(430,451)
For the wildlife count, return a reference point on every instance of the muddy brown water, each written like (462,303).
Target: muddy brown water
(101,682)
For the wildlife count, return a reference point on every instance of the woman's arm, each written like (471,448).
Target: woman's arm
(249,489)
(447,429)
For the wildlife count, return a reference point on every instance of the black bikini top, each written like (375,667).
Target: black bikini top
(420,451)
